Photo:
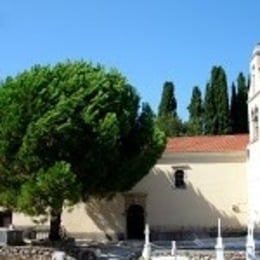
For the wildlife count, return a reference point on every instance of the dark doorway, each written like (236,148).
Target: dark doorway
(135,222)
(179,179)
(5,218)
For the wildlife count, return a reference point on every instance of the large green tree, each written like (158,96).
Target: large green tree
(68,132)
(216,104)
(168,120)
(195,108)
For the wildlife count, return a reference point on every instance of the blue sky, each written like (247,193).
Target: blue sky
(149,41)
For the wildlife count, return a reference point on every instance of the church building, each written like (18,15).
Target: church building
(198,180)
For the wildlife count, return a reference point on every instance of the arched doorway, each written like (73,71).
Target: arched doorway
(135,222)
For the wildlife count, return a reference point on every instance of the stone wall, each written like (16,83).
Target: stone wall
(43,253)
(25,252)
(210,254)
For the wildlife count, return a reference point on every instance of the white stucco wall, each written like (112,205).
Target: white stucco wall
(254,181)
(97,218)
(214,189)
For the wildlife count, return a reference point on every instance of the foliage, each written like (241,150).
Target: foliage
(168,120)
(233,108)
(216,104)
(71,131)
(39,193)
(241,100)
(168,104)
(171,126)
(209,116)
(239,113)
(195,122)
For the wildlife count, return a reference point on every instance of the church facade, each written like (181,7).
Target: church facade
(197,180)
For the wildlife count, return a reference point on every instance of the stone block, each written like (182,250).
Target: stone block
(11,237)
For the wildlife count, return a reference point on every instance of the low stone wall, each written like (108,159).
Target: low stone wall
(25,252)
(210,254)
(42,253)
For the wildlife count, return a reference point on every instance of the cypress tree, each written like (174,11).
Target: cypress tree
(241,99)
(168,104)
(168,120)
(195,124)
(222,102)
(217,114)
(233,108)
(209,117)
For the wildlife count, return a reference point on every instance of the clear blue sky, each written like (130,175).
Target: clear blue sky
(149,41)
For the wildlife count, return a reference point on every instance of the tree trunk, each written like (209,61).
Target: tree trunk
(55,221)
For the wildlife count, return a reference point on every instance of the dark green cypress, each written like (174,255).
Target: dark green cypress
(209,117)
(217,114)
(195,123)
(221,102)
(168,120)
(233,108)
(241,99)
(168,104)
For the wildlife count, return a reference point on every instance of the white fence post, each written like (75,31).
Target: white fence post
(174,249)
(146,254)
(58,255)
(250,243)
(219,245)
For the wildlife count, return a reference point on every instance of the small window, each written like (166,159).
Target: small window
(179,179)
(256,123)
(252,86)
(255,120)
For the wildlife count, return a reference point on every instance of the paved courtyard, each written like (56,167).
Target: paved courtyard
(132,249)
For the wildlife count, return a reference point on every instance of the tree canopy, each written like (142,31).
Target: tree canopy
(168,104)
(241,125)
(216,104)
(195,122)
(234,108)
(68,132)
(168,120)
(215,114)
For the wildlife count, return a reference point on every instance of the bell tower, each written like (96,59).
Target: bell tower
(254,94)
(253,163)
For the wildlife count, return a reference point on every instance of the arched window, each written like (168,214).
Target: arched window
(252,81)
(255,123)
(179,179)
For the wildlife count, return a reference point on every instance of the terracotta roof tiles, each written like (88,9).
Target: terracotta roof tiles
(217,143)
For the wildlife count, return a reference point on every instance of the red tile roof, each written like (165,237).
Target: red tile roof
(216,143)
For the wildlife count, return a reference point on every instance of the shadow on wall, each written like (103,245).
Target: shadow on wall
(172,212)
(108,216)
(190,210)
